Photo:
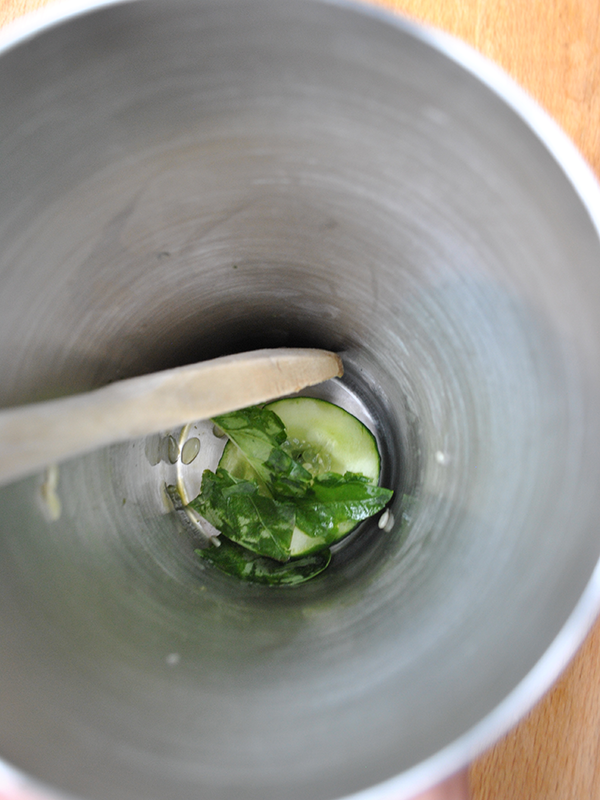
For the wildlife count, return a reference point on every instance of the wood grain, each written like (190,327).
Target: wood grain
(38,435)
(552,48)
(11,9)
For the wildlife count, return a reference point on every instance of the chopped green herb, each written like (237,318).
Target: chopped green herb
(259,434)
(276,517)
(255,521)
(242,563)
(334,500)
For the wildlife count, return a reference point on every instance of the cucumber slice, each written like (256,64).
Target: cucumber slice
(332,439)
(324,438)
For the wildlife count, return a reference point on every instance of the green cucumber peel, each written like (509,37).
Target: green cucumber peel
(242,563)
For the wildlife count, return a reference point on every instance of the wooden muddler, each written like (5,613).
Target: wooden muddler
(34,436)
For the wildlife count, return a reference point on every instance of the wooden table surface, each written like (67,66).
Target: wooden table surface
(552,48)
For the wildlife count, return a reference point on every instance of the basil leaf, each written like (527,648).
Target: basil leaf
(255,430)
(286,477)
(241,563)
(335,500)
(259,434)
(268,494)
(235,507)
